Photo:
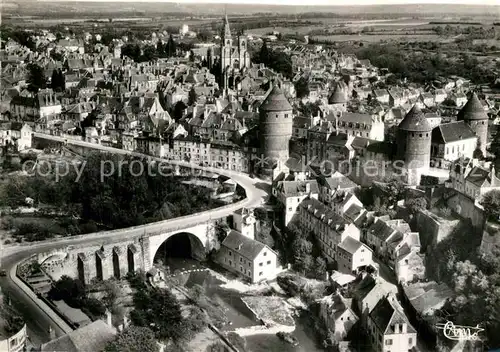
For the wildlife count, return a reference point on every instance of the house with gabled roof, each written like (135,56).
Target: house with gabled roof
(247,257)
(334,186)
(328,227)
(351,255)
(389,327)
(337,315)
(453,140)
(291,193)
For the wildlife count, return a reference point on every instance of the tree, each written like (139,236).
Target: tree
(415,205)
(193,97)
(69,290)
(301,250)
(264,55)
(170,47)
(302,88)
(132,339)
(204,36)
(150,53)
(158,309)
(179,109)
(495,147)
(394,191)
(36,78)
(320,268)
(491,205)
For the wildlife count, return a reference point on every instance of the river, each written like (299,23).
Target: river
(241,316)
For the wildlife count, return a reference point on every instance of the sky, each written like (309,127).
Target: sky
(324,2)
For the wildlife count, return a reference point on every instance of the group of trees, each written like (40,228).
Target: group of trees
(278,61)
(423,67)
(36,78)
(72,291)
(150,52)
(301,88)
(159,310)
(474,277)
(132,339)
(303,252)
(58,81)
(22,37)
(134,193)
(310,108)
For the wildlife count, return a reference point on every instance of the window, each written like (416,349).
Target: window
(388,342)
(410,341)
(261,264)
(230,262)
(241,268)
(230,253)
(268,262)
(241,259)
(260,274)
(420,135)
(286,116)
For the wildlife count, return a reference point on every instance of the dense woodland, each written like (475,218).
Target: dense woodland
(124,199)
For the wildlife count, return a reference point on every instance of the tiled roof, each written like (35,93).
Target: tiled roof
(323,212)
(472,110)
(92,337)
(387,313)
(355,117)
(337,180)
(415,121)
(381,229)
(452,132)
(243,245)
(338,96)
(483,178)
(276,101)
(297,188)
(350,245)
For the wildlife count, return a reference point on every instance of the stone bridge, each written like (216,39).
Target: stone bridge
(115,253)
(116,256)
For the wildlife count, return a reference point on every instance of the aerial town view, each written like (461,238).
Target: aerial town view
(201,176)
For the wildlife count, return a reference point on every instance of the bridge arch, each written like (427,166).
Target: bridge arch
(182,244)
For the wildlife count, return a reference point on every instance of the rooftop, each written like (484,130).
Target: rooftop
(472,110)
(276,101)
(415,121)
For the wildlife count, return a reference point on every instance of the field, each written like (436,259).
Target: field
(374,38)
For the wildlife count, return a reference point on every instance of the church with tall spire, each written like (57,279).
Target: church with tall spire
(234,57)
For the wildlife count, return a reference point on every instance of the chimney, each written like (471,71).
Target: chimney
(109,320)
(308,187)
(404,328)
(141,102)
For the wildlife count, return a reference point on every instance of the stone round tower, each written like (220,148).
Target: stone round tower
(414,144)
(473,114)
(275,128)
(337,101)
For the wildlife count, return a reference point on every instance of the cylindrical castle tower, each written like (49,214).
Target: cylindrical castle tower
(275,128)
(473,114)
(414,144)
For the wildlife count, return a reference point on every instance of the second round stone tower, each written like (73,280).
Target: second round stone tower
(275,129)
(414,144)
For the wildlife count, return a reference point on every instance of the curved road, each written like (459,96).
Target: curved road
(37,320)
